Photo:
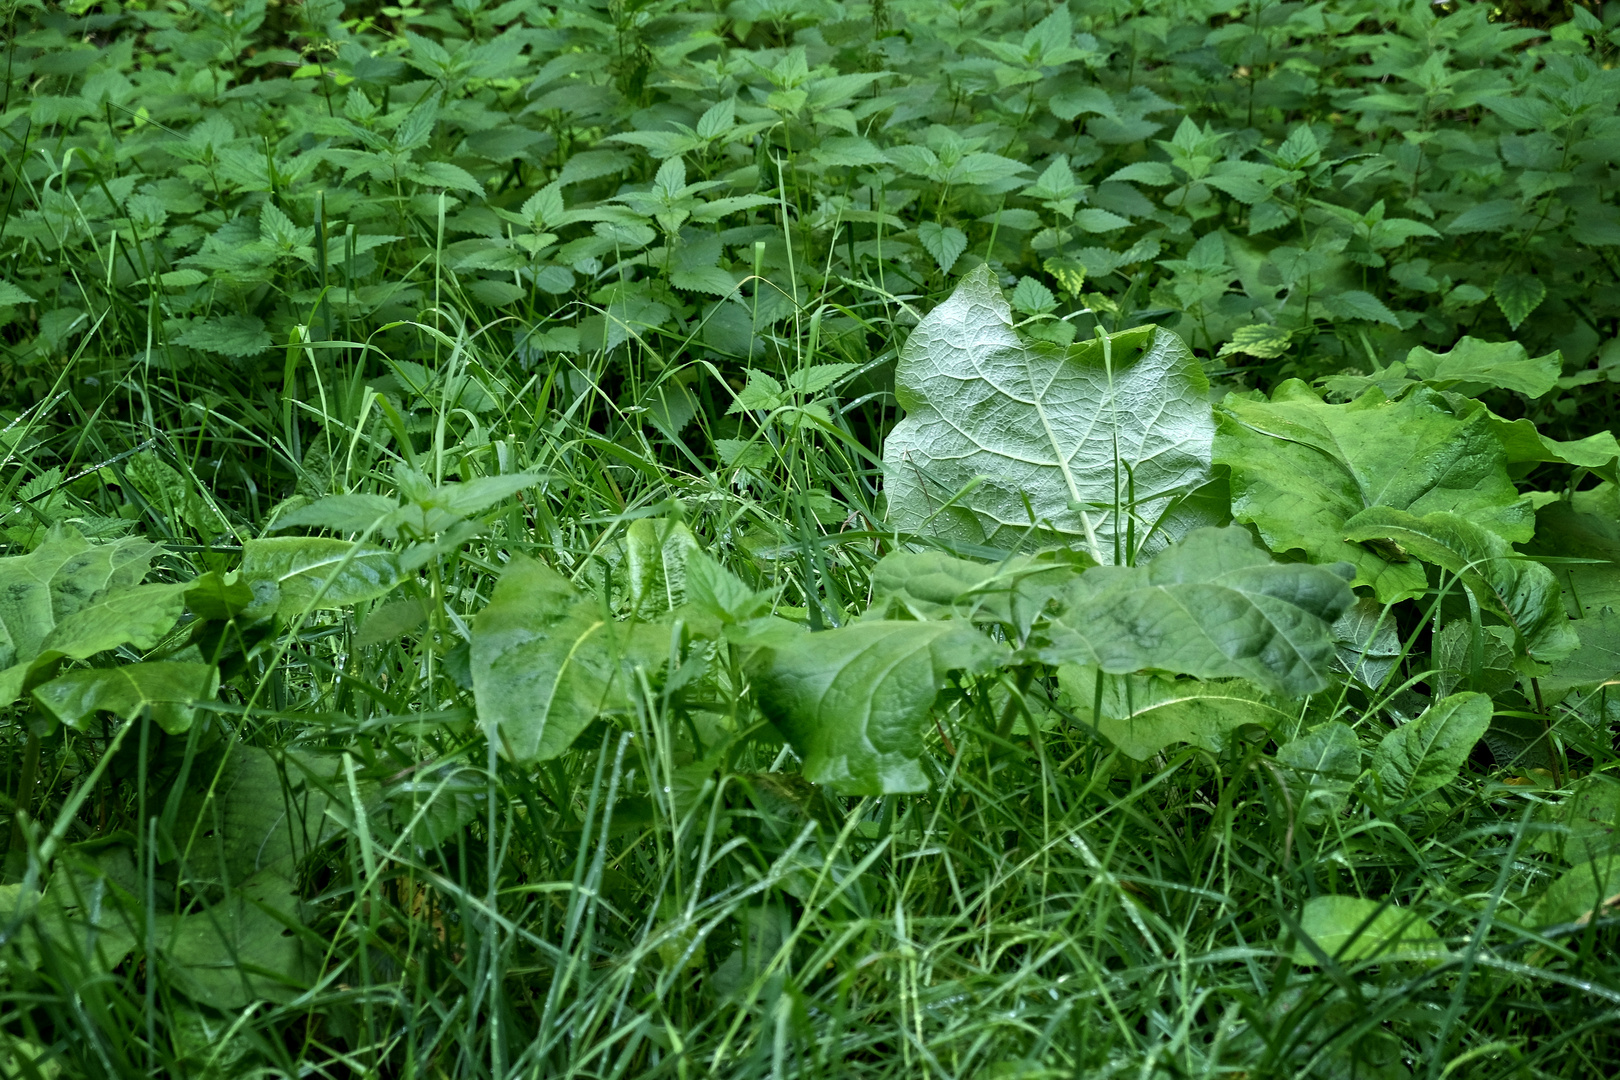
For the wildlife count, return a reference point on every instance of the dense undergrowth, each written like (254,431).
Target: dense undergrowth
(789,538)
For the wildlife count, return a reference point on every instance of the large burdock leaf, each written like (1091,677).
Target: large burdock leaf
(1523,593)
(854,701)
(244,948)
(1425,755)
(70,598)
(546,663)
(171,689)
(1085,438)
(1302,468)
(1214,606)
(1143,714)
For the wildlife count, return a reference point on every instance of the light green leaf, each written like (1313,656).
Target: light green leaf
(317,574)
(943,242)
(656,550)
(1095,220)
(138,616)
(854,701)
(1472,365)
(1350,929)
(1033,298)
(1214,606)
(545,663)
(1523,593)
(1425,755)
(717,593)
(170,689)
(933,585)
(1263,340)
(1068,434)
(1578,893)
(1321,766)
(352,513)
(1143,715)
(1595,663)
(49,586)
(1302,468)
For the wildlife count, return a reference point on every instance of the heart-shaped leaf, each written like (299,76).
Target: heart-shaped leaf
(1092,445)
(1213,605)
(854,701)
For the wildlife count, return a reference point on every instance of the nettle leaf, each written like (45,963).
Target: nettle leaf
(170,689)
(1425,755)
(1215,606)
(1263,340)
(1355,304)
(230,335)
(546,662)
(307,573)
(1301,469)
(1097,444)
(943,242)
(1033,298)
(854,702)
(1144,714)
(1518,295)
(1523,593)
(1350,929)
(1473,365)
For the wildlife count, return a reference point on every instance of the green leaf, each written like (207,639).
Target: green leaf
(50,586)
(138,615)
(1302,468)
(546,663)
(231,335)
(943,242)
(933,585)
(1058,440)
(1263,340)
(1350,929)
(1214,606)
(1595,663)
(1518,295)
(1033,298)
(1523,593)
(1472,365)
(854,701)
(354,513)
(169,688)
(656,550)
(317,574)
(238,950)
(1578,893)
(1142,715)
(12,296)
(716,592)
(1321,766)
(1425,755)
(1583,530)
(1355,304)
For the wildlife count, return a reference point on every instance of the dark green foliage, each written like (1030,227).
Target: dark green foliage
(783,538)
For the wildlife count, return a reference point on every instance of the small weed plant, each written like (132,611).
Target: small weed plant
(674,538)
